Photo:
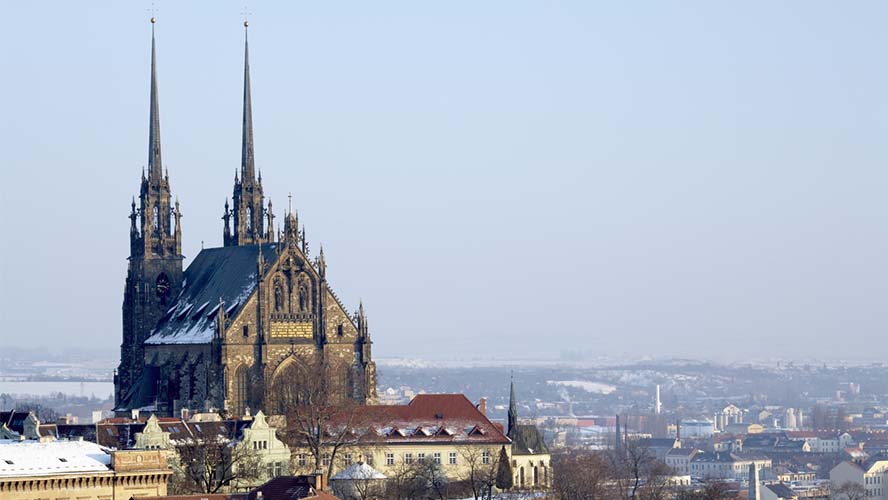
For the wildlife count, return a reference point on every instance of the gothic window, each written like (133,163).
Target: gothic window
(241,389)
(278,298)
(250,218)
(156,217)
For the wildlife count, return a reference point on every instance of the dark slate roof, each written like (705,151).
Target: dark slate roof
(782,491)
(226,273)
(288,488)
(527,440)
(657,442)
(142,394)
(71,432)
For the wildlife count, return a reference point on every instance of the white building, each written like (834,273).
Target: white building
(697,428)
(872,475)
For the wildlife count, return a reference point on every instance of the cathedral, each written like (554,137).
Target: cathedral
(219,334)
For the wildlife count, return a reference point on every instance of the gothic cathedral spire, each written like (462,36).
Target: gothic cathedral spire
(155,165)
(513,410)
(249,212)
(154,273)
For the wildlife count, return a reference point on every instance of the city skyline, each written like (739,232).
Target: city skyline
(504,183)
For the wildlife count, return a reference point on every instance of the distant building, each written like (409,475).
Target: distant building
(679,459)
(34,470)
(718,465)
(697,428)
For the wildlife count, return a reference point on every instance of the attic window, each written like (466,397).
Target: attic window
(246,330)
(184,312)
(63,459)
(439,416)
(339,330)
(9,462)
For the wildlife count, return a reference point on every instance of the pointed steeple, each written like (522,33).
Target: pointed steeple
(247,163)
(513,410)
(155,171)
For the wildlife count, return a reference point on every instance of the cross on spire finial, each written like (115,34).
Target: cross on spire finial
(246,13)
(153,11)
(290,199)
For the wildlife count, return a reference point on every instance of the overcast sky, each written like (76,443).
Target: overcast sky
(492,178)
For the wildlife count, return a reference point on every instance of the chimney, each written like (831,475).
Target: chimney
(754,493)
(482,406)
(658,407)
(184,414)
(318,480)
(134,414)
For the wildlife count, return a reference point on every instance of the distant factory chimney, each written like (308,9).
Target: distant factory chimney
(658,407)
(618,447)
(754,493)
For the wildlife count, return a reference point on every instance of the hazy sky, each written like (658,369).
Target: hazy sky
(493,178)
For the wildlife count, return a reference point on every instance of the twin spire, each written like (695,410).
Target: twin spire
(155,166)
(247,162)
(253,220)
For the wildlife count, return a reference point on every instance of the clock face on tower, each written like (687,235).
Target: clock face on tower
(162,288)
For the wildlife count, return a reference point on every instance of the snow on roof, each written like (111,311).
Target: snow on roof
(224,275)
(358,471)
(33,458)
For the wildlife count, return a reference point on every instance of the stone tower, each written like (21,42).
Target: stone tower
(154,273)
(253,222)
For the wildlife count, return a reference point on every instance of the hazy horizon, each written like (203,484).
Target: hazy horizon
(502,179)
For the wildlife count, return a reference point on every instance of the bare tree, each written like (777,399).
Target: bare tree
(848,491)
(210,462)
(320,419)
(403,482)
(480,466)
(582,477)
(712,490)
(638,474)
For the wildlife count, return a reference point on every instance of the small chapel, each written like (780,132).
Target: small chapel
(219,334)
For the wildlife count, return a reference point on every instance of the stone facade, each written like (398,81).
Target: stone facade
(219,334)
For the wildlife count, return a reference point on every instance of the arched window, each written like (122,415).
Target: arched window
(156,217)
(303,297)
(536,476)
(249,218)
(521,477)
(241,389)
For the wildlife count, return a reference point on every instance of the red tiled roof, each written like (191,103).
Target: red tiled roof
(444,417)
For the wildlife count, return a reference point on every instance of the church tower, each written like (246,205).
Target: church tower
(154,274)
(253,223)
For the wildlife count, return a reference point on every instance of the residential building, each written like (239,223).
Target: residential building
(726,465)
(78,470)
(679,459)
(871,475)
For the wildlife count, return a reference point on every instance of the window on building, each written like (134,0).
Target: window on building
(246,330)
(278,469)
(368,459)
(436,457)
(348,459)
(420,457)
(269,470)
(408,458)
(390,459)
(451,458)
(325,460)
(300,459)
(485,457)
